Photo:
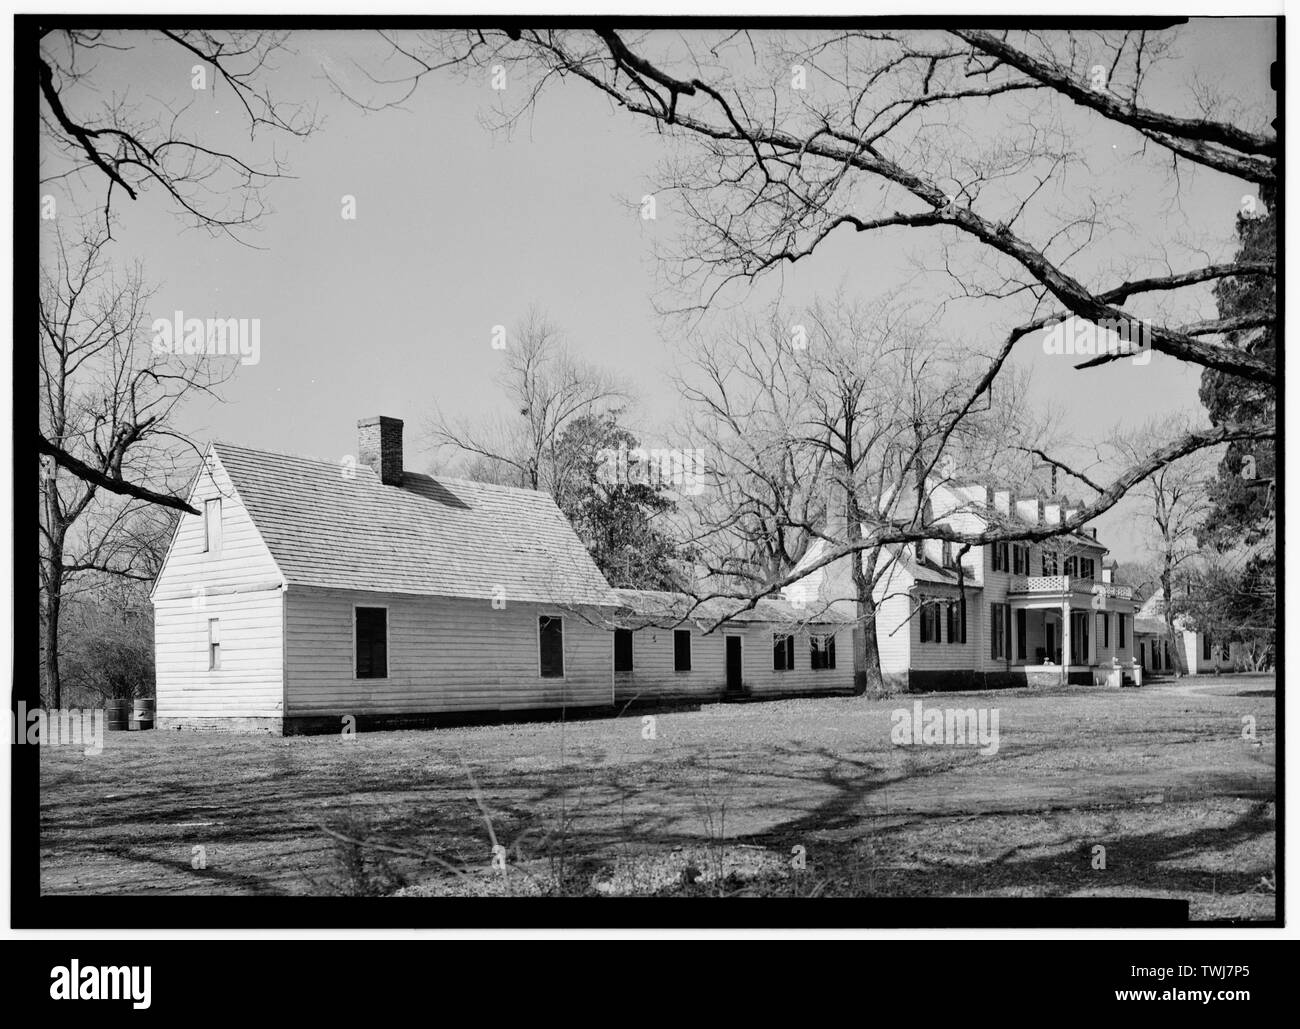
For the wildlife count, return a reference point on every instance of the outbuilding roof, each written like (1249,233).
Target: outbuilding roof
(663,609)
(337,525)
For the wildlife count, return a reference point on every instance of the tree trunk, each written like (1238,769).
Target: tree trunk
(866,651)
(1176,653)
(51,605)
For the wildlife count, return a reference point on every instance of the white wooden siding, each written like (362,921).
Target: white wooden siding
(444,655)
(241,585)
(249,683)
(653,677)
(243,560)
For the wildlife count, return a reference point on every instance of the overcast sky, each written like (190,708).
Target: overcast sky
(459,229)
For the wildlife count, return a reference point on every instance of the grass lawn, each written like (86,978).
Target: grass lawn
(719,800)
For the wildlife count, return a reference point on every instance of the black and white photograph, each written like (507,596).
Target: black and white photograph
(657,471)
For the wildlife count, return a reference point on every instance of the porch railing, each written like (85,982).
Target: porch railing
(1068,584)
(1040,584)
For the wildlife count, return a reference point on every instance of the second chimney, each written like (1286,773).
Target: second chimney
(379,446)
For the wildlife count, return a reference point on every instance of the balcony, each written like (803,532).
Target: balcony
(1065,585)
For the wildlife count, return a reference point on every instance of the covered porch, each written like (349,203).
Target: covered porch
(1063,630)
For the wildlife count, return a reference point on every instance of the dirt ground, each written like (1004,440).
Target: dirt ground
(802,797)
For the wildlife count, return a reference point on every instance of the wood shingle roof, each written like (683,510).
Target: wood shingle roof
(337,526)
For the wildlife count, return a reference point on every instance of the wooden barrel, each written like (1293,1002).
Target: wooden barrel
(142,710)
(117,715)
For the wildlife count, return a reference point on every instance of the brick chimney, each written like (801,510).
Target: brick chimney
(379,445)
(1030,509)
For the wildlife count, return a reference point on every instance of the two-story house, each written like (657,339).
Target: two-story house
(1013,614)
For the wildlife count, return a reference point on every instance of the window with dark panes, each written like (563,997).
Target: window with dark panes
(622,650)
(372,643)
(957,621)
(822,651)
(782,652)
(550,645)
(930,622)
(999,626)
(681,650)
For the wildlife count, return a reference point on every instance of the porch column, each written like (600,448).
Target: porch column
(1065,643)
(1014,642)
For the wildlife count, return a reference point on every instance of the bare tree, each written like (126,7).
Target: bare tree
(767,173)
(546,388)
(107,400)
(96,133)
(828,429)
(1177,502)
(93,131)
